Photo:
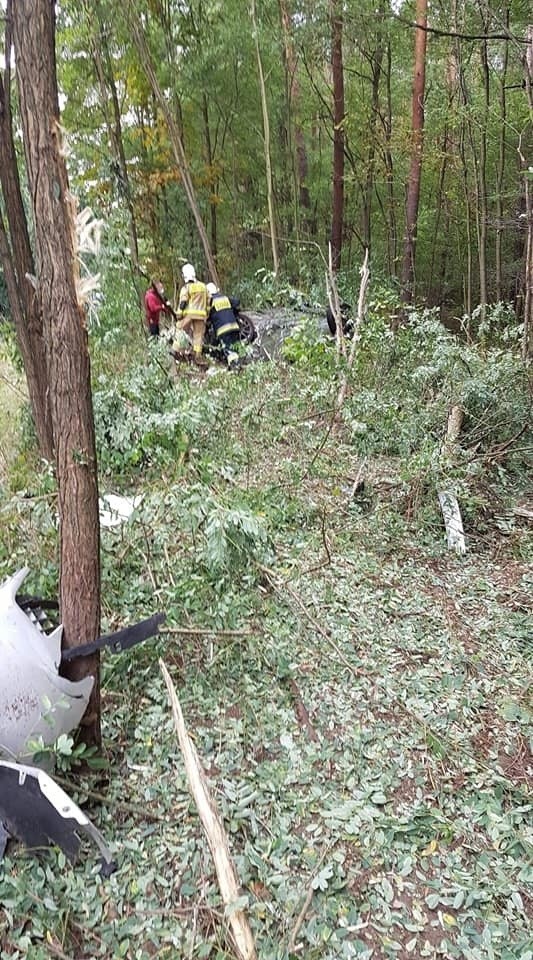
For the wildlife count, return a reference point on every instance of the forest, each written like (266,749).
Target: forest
(290,698)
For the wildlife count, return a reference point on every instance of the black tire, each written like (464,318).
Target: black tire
(247,330)
(346,320)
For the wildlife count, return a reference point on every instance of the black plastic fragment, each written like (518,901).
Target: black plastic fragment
(118,641)
(37,812)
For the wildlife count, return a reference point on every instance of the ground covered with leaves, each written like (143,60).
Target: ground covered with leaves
(357,693)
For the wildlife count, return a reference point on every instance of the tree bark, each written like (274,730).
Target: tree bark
(66,338)
(266,134)
(415,173)
(391,223)
(23,302)
(10,278)
(501,167)
(482,204)
(293,97)
(337,65)
(213,178)
(465,256)
(527,339)
(376,68)
(113,121)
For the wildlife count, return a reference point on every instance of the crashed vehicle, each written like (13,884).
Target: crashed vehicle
(37,704)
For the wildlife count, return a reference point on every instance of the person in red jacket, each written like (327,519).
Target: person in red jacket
(155,303)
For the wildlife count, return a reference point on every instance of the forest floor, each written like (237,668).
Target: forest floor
(357,693)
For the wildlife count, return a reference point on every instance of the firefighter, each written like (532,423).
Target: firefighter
(223,313)
(192,310)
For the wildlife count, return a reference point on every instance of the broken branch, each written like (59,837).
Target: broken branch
(214,831)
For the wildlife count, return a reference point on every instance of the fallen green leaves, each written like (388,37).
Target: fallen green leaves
(358,696)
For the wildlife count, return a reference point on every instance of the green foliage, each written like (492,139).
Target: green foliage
(9,349)
(64,756)
(144,419)
(357,694)
(306,345)
(232,538)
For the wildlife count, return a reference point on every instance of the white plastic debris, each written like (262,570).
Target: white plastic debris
(115,510)
(452,521)
(34,700)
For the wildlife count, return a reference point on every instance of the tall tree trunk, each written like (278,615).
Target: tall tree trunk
(337,65)
(434,293)
(501,167)
(392,229)
(440,250)
(415,173)
(66,337)
(266,134)
(175,137)
(482,204)
(113,121)
(10,278)
(527,339)
(465,166)
(293,97)
(376,61)
(25,309)
(213,180)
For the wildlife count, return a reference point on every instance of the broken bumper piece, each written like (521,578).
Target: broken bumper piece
(38,813)
(36,703)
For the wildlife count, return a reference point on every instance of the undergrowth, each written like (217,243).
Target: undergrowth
(357,693)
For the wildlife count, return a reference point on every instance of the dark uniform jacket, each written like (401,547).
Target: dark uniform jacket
(222,315)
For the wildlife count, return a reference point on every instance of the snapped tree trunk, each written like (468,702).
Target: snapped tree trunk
(23,302)
(66,338)
(337,220)
(417,146)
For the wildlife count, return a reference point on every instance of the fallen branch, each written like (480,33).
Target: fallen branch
(358,480)
(208,632)
(214,831)
(356,336)
(306,904)
(302,711)
(523,513)
(318,627)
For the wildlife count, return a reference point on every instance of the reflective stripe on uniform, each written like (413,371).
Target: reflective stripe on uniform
(227,328)
(193,296)
(221,302)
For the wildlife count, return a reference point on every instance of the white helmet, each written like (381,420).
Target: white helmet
(188,273)
(211,289)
